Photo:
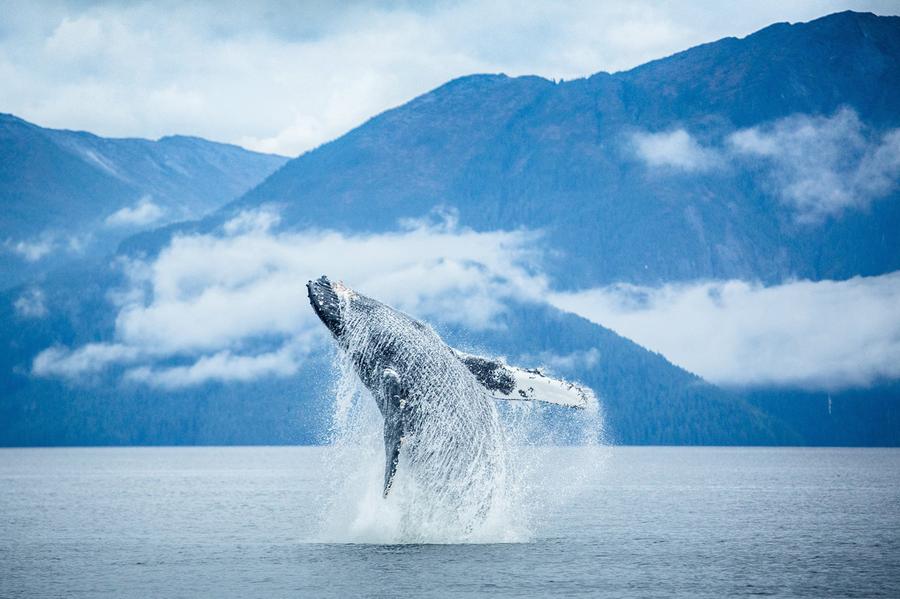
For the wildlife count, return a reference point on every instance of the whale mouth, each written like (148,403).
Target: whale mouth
(326,302)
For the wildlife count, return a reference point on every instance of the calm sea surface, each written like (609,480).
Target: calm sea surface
(651,522)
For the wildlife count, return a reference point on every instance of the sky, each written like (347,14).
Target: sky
(285,77)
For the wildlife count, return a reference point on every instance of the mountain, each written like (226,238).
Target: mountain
(527,152)
(67,194)
(764,158)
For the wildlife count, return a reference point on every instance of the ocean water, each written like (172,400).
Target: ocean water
(637,522)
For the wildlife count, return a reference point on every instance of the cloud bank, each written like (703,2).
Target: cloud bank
(285,77)
(826,334)
(233,306)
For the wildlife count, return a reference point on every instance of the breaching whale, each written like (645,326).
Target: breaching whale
(437,402)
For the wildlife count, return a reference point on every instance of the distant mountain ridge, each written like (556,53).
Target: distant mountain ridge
(526,152)
(61,189)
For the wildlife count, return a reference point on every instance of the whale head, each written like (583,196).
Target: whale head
(373,335)
(329,300)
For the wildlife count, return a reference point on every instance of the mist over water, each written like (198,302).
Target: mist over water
(470,473)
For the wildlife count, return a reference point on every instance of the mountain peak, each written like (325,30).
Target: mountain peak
(11,119)
(844,25)
(846,15)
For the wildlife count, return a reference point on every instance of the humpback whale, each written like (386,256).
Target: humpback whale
(437,402)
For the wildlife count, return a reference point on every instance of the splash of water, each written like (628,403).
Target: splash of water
(470,472)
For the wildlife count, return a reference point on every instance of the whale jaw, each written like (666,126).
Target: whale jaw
(326,302)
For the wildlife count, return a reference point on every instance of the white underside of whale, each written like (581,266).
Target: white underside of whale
(532,384)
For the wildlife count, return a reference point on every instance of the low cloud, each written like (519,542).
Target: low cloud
(45,244)
(90,358)
(211,299)
(819,166)
(143,213)
(822,166)
(31,304)
(223,366)
(826,334)
(34,250)
(253,221)
(675,149)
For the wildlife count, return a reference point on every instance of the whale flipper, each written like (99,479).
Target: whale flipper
(394,404)
(510,382)
(393,438)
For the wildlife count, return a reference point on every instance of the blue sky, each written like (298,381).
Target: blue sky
(285,77)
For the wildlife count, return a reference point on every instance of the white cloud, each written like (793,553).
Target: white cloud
(675,149)
(76,38)
(822,166)
(90,358)
(45,244)
(210,299)
(253,221)
(222,366)
(288,76)
(203,309)
(31,304)
(144,212)
(34,250)
(810,334)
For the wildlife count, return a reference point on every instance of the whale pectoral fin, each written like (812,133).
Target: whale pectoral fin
(393,402)
(532,384)
(393,438)
(510,382)
(494,375)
